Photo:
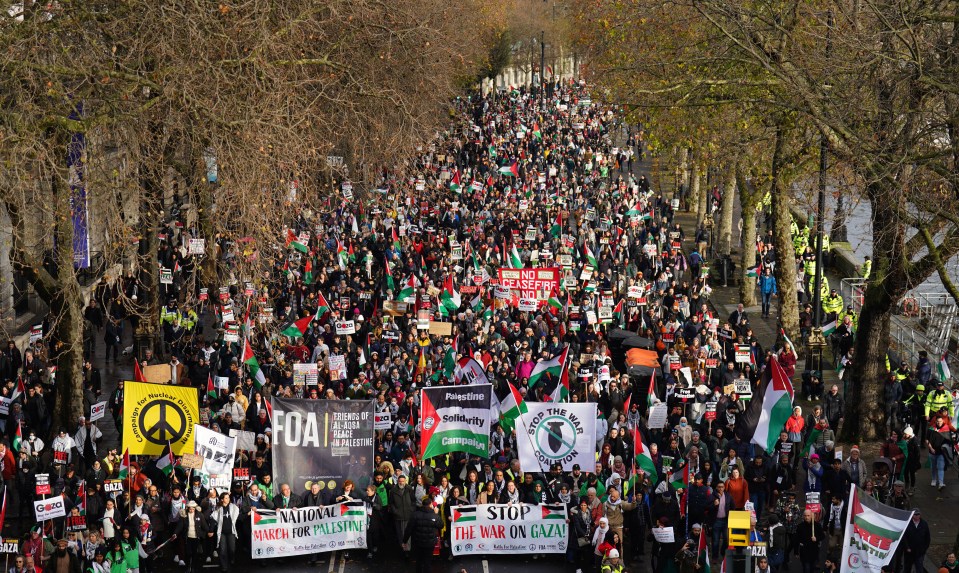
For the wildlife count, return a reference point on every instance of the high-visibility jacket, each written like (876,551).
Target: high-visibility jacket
(939,399)
(169,315)
(809,267)
(832,304)
(189,320)
(866,269)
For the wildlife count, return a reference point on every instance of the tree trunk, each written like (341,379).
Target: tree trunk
(725,243)
(695,191)
(747,259)
(148,303)
(66,306)
(782,232)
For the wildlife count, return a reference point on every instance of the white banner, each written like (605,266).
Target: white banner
(288,532)
(218,452)
(521,529)
(557,433)
(873,531)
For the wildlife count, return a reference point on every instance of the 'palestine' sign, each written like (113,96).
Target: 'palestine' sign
(455,419)
(873,532)
(324,441)
(509,529)
(288,532)
(557,433)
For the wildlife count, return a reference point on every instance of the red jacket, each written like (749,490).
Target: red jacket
(9,464)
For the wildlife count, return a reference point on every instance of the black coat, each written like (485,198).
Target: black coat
(917,537)
(423,529)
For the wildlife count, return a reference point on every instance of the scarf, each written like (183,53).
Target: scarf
(811,477)
(565,498)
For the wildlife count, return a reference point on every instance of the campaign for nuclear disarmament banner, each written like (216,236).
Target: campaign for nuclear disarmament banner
(873,531)
(155,415)
(322,441)
(550,433)
(455,419)
(509,529)
(308,530)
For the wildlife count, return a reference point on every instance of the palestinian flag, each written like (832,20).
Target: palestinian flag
(788,342)
(396,239)
(554,302)
(552,367)
(124,472)
(137,373)
(342,255)
(828,329)
(618,313)
(18,437)
(449,365)
(352,508)
(166,461)
(515,261)
(390,285)
(292,241)
(810,440)
(873,531)
(464,513)
(702,548)
(211,390)
(753,272)
(511,170)
(308,272)
(450,299)
(3,509)
(642,458)
(680,479)
(777,407)
(297,328)
(557,511)
(536,132)
(636,211)
(561,392)
(476,304)
(20,390)
(943,368)
(651,393)
(590,257)
(511,408)
(557,229)
(322,306)
(456,185)
(264,517)
(409,289)
(253,366)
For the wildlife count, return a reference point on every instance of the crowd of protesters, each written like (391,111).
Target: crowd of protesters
(546,174)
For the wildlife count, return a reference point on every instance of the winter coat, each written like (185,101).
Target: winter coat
(423,529)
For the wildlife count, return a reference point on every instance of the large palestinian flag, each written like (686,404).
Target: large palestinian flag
(777,406)
(455,419)
(873,531)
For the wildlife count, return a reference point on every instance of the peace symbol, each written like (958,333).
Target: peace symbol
(168,424)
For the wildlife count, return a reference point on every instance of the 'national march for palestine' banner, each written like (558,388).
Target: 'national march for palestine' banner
(550,433)
(307,530)
(873,531)
(323,441)
(509,529)
(455,419)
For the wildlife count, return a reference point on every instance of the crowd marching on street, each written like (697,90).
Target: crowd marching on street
(399,289)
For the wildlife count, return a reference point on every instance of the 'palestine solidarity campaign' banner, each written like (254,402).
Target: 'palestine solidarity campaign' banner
(455,419)
(288,532)
(325,441)
(509,529)
(556,433)
(873,532)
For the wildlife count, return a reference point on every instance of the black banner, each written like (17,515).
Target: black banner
(325,441)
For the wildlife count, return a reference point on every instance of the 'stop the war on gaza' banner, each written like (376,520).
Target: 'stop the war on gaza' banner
(530,283)
(308,530)
(323,441)
(509,529)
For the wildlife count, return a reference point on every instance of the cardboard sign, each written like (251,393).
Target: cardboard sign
(190,461)
(345,327)
(441,328)
(157,373)
(97,411)
(395,307)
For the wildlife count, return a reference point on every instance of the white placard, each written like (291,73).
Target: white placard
(527,304)
(50,508)
(345,327)
(218,452)
(97,411)
(382,421)
(245,441)
(663,534)
(305,373)
(337,367)
(197,247)
(657,416)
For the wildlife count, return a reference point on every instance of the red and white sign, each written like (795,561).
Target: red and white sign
(530,283)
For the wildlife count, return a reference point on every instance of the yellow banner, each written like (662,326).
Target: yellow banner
(155,414)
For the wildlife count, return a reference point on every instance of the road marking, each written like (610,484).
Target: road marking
(342,562)
(332,562)
(485,566)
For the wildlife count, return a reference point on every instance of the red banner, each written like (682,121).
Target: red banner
(530,283)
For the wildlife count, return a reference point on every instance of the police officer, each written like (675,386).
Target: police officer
(939,398)
(916,411)
(832,306)
(866,269)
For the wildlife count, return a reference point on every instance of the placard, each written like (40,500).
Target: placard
(441,328)
(528,304)
(5,404)
(663,534)
(710,413)
(43,484)
(115,485)
(345,327)
(241,475)
(166,276)
(528,282)
(97,411)
(197,247)
(245,441)
(308,530)
(382,421)
(813,503)
(305,374)
(657,416)
(743,388)
(50,508)
(189,461)
(337,367)
(742,353)
(10,545)
(712,363)
(218,452)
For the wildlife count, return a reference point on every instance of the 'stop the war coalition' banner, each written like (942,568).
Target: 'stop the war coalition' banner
(530,283)
(323,441)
